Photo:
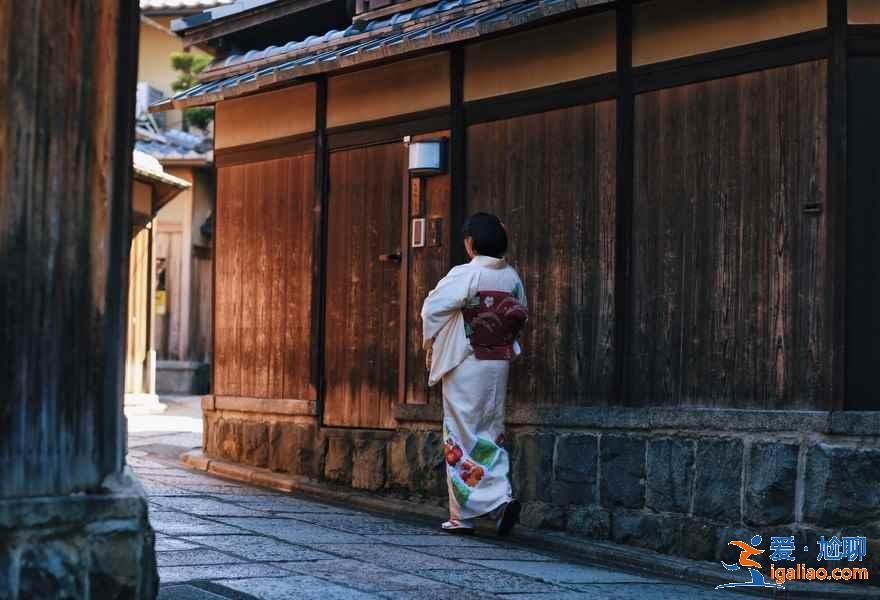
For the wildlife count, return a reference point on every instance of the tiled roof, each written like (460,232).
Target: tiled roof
(173,144)
(181,5)
(395,34)
(147,168)
(230,7)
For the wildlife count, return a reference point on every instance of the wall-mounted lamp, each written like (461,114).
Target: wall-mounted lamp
(427,157)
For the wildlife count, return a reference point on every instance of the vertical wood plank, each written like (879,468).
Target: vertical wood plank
(727,267)
(555,192)
(835,326)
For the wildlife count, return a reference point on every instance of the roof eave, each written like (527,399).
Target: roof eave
(383,54)
(201,28)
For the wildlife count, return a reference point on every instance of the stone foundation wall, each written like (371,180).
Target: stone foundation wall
(95,546)
(685,490)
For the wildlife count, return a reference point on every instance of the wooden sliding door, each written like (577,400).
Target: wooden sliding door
(362,307)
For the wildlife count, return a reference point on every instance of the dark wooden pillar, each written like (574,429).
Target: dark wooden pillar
(624,191)
(319,251)
(458,156)
(67,81)
(836,281)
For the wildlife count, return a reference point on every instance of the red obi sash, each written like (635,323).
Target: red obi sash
(492,321)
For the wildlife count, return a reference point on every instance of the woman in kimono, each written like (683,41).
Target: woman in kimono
(470,322)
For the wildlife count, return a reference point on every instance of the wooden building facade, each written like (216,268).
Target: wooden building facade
(689,193)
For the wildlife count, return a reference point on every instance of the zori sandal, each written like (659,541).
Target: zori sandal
(458,526)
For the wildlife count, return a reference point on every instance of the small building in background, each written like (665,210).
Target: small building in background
(152,189)
(182,246)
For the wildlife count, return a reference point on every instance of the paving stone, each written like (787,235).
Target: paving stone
(489,580)
(294,586)
(360,575)
(366,525)
(430,540)
(209,572)
(283,504)
(171,523)
(199,556)
(200,505)
(259,548)
(186,592)
(404,559)
(446,592)
(482,552)
(649,592)
(295,531)
(558,572)
(165,543)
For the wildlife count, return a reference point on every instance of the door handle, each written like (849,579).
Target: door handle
(392,257)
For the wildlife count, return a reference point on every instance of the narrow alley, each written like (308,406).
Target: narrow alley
(218,539)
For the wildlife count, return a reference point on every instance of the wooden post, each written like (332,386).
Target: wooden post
(837,201)
(319,252)
(624,193)
(458,156)
(67,86)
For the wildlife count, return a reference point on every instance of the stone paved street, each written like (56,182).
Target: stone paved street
(217,539)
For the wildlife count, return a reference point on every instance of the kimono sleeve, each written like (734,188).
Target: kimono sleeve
(444,302)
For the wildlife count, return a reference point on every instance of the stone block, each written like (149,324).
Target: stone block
(337,460)
(590,521)
(54,570)
(255,444)
(669,471)
(723,550)
(718,479)
(575,469)
(698,540)
(114,574)
(228,442)
(622,465)
(772,476)
(368,465)
(402,459)
(541,515)
(655,532)
(532,468)
(289,448)
(430,477)
(576,458)
(842,485)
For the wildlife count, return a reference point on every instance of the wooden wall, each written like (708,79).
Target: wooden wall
(726,300)
(550,177)
(139,306)
(264,236)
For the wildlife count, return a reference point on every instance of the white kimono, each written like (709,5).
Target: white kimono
(474,390)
